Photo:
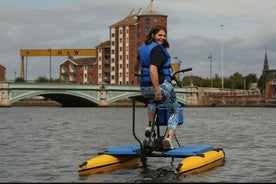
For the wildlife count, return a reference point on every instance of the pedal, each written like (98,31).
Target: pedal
(157,144)
(147,132)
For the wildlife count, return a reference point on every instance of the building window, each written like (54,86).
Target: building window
(147,24)
(147,30)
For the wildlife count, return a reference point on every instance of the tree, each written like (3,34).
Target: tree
(250,79)
(261,83)
(217,81)
(236,81)
(19,79)
(42,79)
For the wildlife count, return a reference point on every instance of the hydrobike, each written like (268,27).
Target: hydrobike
(196,158)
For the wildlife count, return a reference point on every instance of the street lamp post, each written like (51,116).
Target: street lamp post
(244,83)
(222,85)
(50,70)
(210,57)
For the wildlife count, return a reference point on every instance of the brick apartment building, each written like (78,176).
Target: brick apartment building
(2,73)
(80,70)
(270,80)
(117,56)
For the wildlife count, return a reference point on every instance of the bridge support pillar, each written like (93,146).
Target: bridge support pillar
(103,97)
(4,95)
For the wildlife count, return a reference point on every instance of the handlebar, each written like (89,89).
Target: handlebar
(179,71)
(173,76)
(184,70)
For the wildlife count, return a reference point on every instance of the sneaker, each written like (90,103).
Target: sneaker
(167,144)
(147,131)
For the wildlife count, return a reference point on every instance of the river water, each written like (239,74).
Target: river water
(46,144)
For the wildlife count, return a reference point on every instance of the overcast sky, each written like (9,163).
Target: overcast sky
(194,32)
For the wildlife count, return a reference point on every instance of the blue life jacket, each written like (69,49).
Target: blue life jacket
(144,54)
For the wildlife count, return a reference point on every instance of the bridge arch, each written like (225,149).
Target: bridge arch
(61,97)
(123,96)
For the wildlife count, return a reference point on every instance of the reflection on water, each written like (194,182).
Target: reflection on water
(46,144)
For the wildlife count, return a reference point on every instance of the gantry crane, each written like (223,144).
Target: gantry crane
(52,52)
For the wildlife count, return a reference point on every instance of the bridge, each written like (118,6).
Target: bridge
(75,95)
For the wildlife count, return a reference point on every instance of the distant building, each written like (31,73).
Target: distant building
(270,80)
(80,71)
(270,86)
(2,73)
(117,56)
(103,64)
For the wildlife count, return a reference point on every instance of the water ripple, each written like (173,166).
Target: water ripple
(47,144)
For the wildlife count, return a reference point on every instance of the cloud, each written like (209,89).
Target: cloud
(194,31)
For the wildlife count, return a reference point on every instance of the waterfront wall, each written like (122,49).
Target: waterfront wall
(236,101)
(210,97)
